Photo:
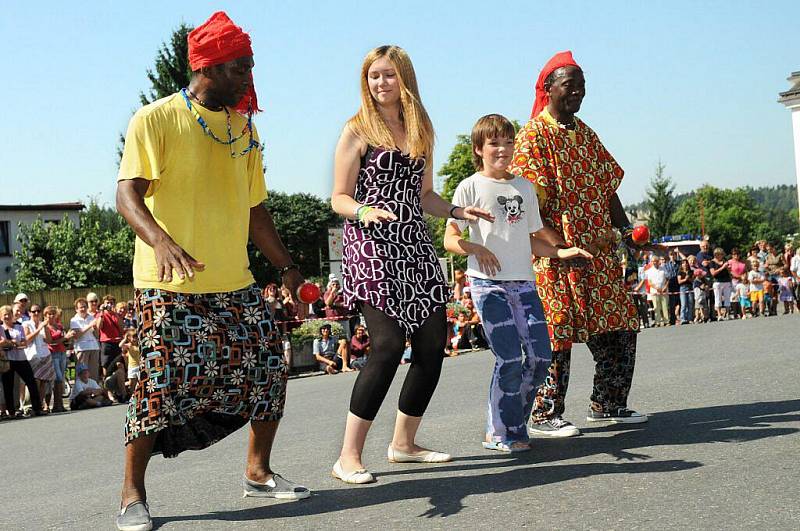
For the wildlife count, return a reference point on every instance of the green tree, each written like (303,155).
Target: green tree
(732,218)
(302,221)
(62,256)
(170,73)
(457,168)
(661,202)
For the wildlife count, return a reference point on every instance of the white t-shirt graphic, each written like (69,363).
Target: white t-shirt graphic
(516,210)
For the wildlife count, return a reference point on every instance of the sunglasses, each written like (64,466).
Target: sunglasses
(36,311)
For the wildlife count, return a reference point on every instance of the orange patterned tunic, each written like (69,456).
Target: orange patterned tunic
(575,178)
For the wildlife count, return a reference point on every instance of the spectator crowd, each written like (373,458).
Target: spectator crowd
(714,285)
(676,289)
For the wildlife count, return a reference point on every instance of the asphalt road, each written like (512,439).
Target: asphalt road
(721,451)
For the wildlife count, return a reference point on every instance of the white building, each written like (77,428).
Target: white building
(12,215)
(791,98)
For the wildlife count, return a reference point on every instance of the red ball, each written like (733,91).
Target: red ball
(308,293)
(641,234)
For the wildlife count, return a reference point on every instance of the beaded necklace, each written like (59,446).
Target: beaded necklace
(248,128)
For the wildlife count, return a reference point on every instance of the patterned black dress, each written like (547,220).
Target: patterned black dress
(392,266)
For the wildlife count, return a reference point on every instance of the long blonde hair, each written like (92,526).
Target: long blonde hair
(368,123)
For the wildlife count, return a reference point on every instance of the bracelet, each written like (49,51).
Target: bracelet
(355,212)
(362,212)
(452,211)
(285,269)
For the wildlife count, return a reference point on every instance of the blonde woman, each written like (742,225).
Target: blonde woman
(383,183)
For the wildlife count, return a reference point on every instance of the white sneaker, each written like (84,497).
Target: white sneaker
(554,427)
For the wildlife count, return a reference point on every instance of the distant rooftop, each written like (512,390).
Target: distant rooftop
(794,92)
(47,206)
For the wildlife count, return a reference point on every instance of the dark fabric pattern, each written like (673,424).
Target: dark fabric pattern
(209,364)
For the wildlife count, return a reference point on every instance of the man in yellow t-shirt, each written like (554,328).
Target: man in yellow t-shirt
(191,186)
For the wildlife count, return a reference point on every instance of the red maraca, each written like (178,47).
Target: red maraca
(640,235)
(308,293)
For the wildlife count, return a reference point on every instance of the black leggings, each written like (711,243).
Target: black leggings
(387,342)
(23,368)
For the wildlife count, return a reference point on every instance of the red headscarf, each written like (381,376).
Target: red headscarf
(559,60)
(216,41)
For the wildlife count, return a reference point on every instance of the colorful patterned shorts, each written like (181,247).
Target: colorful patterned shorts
(209,364)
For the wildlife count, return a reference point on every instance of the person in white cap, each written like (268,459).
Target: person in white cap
(22,301)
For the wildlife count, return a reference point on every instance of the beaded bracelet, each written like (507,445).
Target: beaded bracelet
(363,211)
(285,269)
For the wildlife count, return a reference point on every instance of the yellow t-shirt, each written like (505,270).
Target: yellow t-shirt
(198,193)
(133,355)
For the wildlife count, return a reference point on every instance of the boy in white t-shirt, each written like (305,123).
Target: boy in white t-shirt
(502,280)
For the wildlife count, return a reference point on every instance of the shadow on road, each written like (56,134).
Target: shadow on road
(446,492)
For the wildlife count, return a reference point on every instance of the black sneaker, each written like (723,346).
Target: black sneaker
(554,427)
(618,416)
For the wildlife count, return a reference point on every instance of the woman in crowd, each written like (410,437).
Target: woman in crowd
(737,267)
(56,340)
(12,341)
(721,273)
(383,182)
(685,278)
(38,354)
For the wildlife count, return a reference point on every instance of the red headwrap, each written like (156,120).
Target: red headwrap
(559,60)
(216,41)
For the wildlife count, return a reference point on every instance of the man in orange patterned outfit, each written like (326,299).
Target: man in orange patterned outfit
(576,180)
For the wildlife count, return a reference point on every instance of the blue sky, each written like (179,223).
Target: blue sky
(691,83)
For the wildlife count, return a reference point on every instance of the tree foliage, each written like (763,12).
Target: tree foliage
(302,221)
(661,202)
(732,218)
(170,73)
(61,256)
(457,168)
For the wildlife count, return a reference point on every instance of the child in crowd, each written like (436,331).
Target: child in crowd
(756,279)
(786,291)
(130,348)
(700,287)
(741,292)
(502,282)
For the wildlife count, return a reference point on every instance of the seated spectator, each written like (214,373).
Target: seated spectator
(477,339)
(330,352)
(359,348)
(291,309)
(461,335)
(86,393)
(406,354)
(115,383)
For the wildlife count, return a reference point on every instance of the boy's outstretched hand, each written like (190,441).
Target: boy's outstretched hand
(575,256)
